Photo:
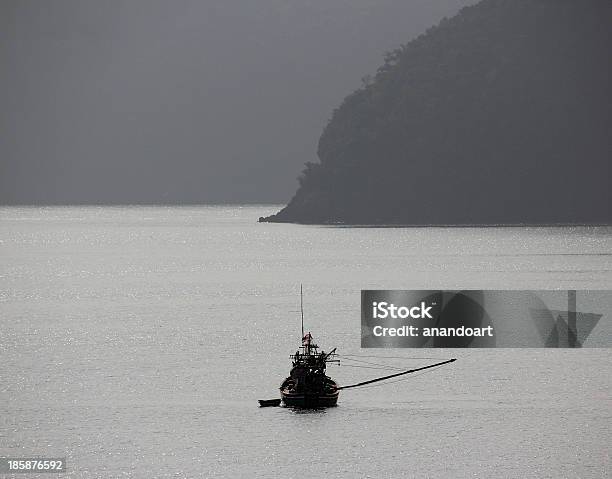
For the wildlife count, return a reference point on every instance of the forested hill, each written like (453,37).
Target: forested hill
(499,115)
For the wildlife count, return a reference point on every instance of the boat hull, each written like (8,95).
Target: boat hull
(309,401)
(309,397)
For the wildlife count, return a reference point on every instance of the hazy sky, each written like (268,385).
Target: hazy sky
(170,101)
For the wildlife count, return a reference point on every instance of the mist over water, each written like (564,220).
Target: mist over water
(137,340)
(149,101)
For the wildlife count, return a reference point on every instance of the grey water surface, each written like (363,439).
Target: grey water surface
(135,341)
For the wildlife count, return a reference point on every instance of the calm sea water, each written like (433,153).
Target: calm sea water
(136,341)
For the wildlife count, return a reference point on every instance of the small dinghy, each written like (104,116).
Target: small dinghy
(269,402)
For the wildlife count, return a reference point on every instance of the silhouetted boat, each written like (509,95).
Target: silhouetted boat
(307,385)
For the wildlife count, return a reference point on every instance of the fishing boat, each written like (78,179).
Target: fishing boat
(308,385)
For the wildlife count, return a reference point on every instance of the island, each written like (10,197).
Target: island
(501,115)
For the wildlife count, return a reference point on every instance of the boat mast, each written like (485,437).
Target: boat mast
(302,311)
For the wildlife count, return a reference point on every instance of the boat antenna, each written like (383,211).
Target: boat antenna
(302,310)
